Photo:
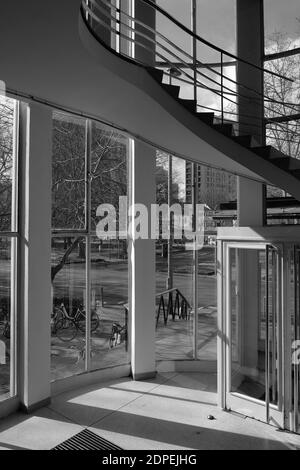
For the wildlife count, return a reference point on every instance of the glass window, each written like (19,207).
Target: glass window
(109,254)
(8,115)
(281,24)
(180,333)
(89,272)
(216,22)
(174,267)
(8,246)
(68,319)
(68,172)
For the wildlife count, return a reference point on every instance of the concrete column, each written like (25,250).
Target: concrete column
(142,252)
(251,195)
(251,203)
(35,253)
(250,47)
(142,266)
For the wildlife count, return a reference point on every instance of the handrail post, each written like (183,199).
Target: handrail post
(267,340)
(170,241)
(195,258)
(194,48)
(222,90)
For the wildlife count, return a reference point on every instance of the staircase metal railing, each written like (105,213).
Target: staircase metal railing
(171,303)
(208,73)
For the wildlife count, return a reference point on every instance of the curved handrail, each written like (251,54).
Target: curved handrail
(208,43)
(125,26)
(175,289)
(178,305)
(198,63)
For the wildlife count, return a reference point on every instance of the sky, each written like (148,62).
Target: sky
(216,18)
(216,23)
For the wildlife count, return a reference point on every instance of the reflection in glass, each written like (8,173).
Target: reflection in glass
(174,271)
(109,303)
(68,317)
(254,323)
(68,172)
(294,291)
(108,254)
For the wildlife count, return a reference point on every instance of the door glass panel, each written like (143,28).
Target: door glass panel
(251,338)
(272,325)
(296,342)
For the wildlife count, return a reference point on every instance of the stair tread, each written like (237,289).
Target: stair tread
(157,74)
(206,117)
(286,163)
(268,151)
(226,128)
(190,104)
(245,140)
(172,89)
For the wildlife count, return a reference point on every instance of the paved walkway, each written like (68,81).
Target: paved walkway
(169,412)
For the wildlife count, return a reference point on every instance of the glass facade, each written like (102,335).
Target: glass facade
(8,246)
(174,268)
(182,334)
(281,23)
(89,272)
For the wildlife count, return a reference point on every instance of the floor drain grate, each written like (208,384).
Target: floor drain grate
(86,440)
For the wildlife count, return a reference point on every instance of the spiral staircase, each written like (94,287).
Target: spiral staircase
(152,62)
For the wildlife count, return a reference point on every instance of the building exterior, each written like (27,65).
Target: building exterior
(214,186)
(86,108)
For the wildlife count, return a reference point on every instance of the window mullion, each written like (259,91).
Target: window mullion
(88,149)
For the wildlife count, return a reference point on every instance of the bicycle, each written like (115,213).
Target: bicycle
(118,335)
(62,326)
(66,326)
(80,319)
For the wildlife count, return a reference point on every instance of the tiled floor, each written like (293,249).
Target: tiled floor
(169,412)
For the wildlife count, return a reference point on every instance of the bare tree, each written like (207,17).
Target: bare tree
(107,179)
(6,161)
(283,100)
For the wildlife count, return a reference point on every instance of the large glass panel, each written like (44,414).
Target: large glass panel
(175,263)
(68,172)
(8,246)
(174,268)
(89,271)
(216,22)
(7,317)
(109,254)
(176,62)
(247,324)
(109,303)
(282,209)
(254,323)
(294,291)
(282,20)
(68,318)
(7,162)
(285,137)
(216,188)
